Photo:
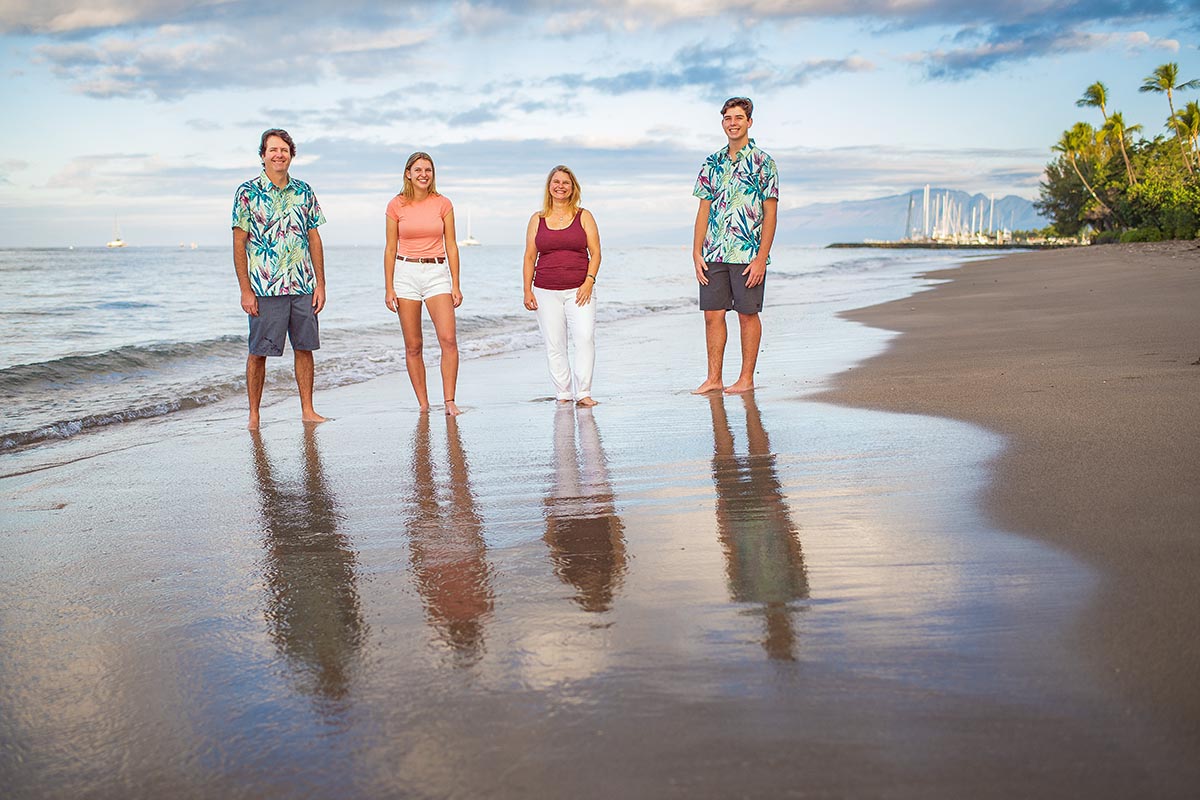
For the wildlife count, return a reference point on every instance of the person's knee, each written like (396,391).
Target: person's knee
(448,342)
(414,349)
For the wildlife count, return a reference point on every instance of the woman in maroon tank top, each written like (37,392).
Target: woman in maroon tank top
(562,257)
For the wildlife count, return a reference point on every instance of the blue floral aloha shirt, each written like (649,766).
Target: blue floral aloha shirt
(737,189)
(278,221)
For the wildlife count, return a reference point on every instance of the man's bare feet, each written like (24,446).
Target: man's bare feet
(708,386)
(586,402)
(452,410)
(562,401)
(739,387)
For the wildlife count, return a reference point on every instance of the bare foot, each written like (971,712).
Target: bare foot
(562,401)
(253,425)
(586,402)
(314,418)
(452,410)
(708,386)
(423,409)
(739,387)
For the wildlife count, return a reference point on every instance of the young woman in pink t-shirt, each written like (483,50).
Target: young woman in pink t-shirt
(420,265)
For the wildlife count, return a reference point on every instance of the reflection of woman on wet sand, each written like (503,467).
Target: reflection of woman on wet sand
(585,535)
(763,558)
(449,556)
(313,612)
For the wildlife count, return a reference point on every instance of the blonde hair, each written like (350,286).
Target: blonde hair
(410,193)
(572,201)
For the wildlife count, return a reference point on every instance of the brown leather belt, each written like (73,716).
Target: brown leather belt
(437,260)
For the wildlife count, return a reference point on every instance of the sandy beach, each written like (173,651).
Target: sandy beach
(961,569)
(1088,363)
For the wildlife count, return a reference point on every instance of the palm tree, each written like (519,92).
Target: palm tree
(1115,128)
(1188,121)
(1095,96)
(1164,80)
(1075,142)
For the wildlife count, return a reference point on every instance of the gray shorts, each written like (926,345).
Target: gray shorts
(727,290)
(289,315)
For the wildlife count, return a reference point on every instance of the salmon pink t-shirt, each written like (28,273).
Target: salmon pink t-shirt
(421,226)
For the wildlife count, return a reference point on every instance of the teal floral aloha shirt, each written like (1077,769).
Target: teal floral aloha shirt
(278,221)
(737,189)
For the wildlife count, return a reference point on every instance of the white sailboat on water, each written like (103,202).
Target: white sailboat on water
(117,241)
(470,241)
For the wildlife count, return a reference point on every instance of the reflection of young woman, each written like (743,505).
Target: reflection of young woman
(449,556)
(763,559)
(562,257)
(313,609)
(585,535)
(420,264)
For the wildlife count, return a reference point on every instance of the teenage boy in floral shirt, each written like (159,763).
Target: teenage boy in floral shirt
(738,187)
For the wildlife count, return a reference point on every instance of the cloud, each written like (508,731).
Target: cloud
(576,17)
(71,18)
(1007,45)
(203,125)
(713,70)
(171,61)
(8,167)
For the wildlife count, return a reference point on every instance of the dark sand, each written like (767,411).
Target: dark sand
(1086,361)
(666,596)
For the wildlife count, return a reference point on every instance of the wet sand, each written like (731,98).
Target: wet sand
(664,596)
(1088,363)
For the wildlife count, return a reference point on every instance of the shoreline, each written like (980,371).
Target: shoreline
(725,596)
(1086,362)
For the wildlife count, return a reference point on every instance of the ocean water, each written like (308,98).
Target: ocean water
(97,337)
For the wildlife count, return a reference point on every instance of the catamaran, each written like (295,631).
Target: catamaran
(470,241)
(117,241)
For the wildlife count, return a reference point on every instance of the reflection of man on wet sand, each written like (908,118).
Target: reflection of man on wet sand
(763,558)
(585,535)
(313,611)
(449,556)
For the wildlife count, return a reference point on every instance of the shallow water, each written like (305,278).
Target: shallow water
(666,595)
(103,337)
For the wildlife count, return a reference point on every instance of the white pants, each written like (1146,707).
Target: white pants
(557,313)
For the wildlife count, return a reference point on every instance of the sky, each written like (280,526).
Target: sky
(148,113)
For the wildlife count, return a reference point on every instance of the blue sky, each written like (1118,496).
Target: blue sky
(150,110)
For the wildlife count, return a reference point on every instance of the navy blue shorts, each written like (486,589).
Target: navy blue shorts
(288,316)
(727,290)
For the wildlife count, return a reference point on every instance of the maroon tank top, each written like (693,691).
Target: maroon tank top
(562,255)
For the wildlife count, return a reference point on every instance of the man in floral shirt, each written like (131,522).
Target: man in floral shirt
(738,187)
(280,265)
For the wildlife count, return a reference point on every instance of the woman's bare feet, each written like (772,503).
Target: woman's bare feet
(586,402)
(452,410)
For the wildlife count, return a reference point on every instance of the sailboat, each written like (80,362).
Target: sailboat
(470,241)
(117,241)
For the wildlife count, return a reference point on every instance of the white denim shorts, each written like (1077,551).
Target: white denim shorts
(413,280)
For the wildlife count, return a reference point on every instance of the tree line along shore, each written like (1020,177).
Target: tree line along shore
(1108,186)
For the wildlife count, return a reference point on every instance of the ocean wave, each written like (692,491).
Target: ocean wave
(66,428)
(73,395)
(130,359)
